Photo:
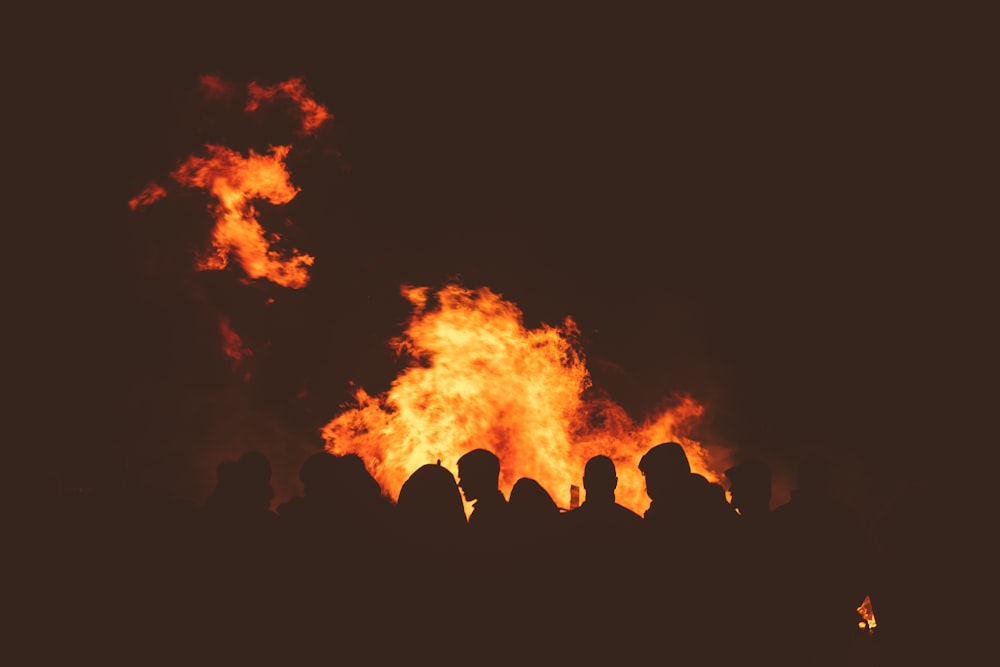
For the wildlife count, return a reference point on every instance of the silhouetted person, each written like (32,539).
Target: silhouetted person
(340,543)
(688,527)
(237,579)
(601,537)
(342,505)
(240,505)
(600,529)
(534,525)
(360,519)
(430,512)
(367,513)
(310,521)
(530,569)
(683,504)
(425,581)
(751,572)
(824,552)
(533,511)
(489,521)
(487,576)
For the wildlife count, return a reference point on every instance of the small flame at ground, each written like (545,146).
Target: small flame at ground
(479,378)
(867,615)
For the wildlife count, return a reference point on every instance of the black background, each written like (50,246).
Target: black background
(777,212)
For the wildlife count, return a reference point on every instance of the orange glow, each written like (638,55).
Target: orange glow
(152,193)
(235,181)
(233,346)
(479,378)
(215,88)
(313,113)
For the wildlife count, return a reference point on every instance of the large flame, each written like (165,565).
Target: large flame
(479,378)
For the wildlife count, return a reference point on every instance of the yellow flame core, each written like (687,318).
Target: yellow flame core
(868,614)
(479,378)
(235,181)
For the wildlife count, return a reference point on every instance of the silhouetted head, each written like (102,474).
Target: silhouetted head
(600,477)
(244,485)
(318,476)
(354,481)
(666,468)
(430,498)
(750,486)
(255,479)
(478,473)
(529,500)
(256,467)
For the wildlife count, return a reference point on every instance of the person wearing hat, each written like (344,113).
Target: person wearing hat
(688,527)
(682,500)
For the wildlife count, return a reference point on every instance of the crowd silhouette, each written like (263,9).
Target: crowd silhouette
(344,573)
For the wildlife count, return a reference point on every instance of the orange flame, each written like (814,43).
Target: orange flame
(235,181)
(152,192)
(313,113)
(479,378)
(867,615)
(215,88)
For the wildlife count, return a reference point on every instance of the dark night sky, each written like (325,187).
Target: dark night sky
(774,213)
